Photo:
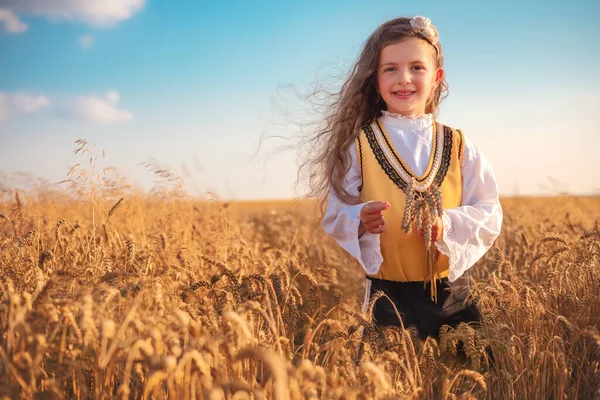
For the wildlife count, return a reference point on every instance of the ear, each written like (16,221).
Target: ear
(439,75)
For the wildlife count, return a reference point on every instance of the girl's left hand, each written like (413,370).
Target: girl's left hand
(437,230)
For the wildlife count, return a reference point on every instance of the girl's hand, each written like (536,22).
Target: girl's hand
(371,217)
(437,230)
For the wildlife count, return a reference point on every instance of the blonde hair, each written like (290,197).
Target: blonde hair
(358,103)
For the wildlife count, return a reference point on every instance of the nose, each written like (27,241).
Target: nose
(403,77)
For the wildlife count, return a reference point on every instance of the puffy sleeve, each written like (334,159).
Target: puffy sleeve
(471,229)
(342,221)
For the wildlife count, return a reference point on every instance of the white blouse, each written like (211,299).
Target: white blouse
(469,230)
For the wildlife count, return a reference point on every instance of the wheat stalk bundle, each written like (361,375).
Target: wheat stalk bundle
(422,207)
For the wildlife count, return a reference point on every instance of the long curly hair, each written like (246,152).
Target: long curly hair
(355,104)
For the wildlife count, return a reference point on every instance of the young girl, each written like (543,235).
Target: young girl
(414,201)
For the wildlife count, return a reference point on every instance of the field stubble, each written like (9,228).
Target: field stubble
(164,296)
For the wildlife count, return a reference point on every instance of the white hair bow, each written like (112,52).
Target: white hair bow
(425,28)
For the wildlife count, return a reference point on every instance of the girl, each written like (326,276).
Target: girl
(414,201)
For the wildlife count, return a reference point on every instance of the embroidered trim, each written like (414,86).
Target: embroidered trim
(432,162)
(382,160)
(446,156)
(362,179)
(462,143)
(407,176)
(439,168)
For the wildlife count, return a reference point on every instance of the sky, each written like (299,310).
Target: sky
(195,85)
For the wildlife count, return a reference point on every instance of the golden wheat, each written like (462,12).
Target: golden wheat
(182,298)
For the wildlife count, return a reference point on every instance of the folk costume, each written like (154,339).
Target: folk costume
(396,158)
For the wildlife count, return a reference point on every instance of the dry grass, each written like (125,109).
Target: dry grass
(163,296)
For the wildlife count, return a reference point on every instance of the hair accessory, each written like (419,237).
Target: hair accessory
(425,27)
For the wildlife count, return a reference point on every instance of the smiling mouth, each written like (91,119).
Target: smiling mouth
(404,94)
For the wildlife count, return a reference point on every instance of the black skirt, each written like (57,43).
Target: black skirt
(416,308)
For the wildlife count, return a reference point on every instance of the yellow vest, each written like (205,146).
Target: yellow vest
(385,176)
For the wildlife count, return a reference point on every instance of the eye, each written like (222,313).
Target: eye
(388,69)
(418,67)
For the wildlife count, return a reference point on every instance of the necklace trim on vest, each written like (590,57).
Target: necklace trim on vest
(405,170)
(393,168)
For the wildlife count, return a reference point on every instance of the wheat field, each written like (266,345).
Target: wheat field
(114,294)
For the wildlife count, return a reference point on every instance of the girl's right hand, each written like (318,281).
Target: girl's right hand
(371,217)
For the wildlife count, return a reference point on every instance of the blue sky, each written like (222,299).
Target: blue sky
(196,84)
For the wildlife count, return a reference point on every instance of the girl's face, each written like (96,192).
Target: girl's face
(406,76)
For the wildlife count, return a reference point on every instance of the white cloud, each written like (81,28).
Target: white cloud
(86,41)
(96,109)
(11,22)
(94,12)
(113,96)
(20,103)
